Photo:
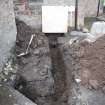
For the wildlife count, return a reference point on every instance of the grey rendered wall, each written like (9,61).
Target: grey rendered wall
(90,7)
(7,30)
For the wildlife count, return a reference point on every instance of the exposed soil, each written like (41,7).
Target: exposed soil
(60,95)
(65,63)
(92,61)
(84,61)
(23,36)
(59,72)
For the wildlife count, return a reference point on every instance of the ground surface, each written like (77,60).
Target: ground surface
(47,75)
(85,62)
(92,61)
(45,86)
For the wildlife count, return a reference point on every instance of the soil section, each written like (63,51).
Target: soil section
(34,77)
(59,71)
(41,73)
(92,61)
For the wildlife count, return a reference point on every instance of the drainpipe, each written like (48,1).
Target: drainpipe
(98,9)
(76,14)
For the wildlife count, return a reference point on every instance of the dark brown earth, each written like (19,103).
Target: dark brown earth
(23,36)
(34,77)
(85,61)
(29,82)
(92,61)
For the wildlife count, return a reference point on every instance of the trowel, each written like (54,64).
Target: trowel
(26,52)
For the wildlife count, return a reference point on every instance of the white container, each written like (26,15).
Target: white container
(54,19)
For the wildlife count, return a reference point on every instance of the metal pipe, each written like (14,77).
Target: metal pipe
(76,15)
(98,8)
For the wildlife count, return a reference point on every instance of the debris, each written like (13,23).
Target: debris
(36,52)
(78,80)
(85,30)
(6,72)
(94,84)
(73,40)
(83,37)
(22,54)
(30,42)
(13,77)
(5,80)
(25,53)
(10,95)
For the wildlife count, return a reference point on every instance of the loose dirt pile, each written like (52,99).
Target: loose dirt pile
(92,61)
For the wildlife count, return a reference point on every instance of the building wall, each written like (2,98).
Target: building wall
(87,8)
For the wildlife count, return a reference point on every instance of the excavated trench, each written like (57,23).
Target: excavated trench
(59,71)
(59,95)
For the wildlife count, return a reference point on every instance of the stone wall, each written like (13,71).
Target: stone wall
(7,30)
